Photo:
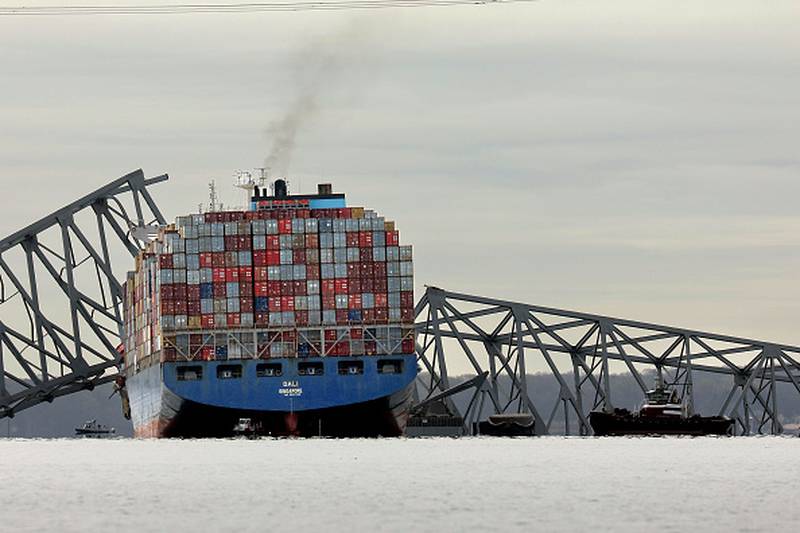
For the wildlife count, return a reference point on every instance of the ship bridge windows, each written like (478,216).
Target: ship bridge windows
(390,366)
(190,373)
(352,368)
(310,369)
(268,370)
(229,371)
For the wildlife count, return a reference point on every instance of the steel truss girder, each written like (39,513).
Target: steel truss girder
(58,355)
(507,335)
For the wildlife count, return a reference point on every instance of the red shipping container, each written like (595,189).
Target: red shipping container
(365,254)
(287,288)
(260,273)
(381,315)
(407,314)
(381,300)
(244,242)
(165,260)
(231,243)
(329,302)
(299,288)
(301,318)
(342,286)
(370,348)
(367,270)
(218,275)
(167,307)
(356,333)
(179,291)
(261,288)
(193,293)
(379,285)
(218,259)
(167,292)
(273,242)
(246,274)
(365,239)
(299,257)
(207,353)
(352,239)
(341,316)
(234,319)
(206,259)
(407,345)
(231,274)
(262,319)
(406,299)
(274,288)
(354,301)
(331,335)
(259,257)
(274,303)
(379,269)
(287,303)
(354,286)
(327,287)
(193,307)
(312,240)
(392,238)
(273,257)
(180,307)
(367,285)
(312,271)
(246,305)
(285,225)
(246,289)
(220,290)
(353,270)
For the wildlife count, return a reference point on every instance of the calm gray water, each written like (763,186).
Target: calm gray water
(546,484)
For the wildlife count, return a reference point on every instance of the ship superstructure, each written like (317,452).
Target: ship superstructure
(296,314)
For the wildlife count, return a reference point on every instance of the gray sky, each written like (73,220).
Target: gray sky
(633,158)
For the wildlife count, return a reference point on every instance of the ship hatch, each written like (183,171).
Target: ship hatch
(229,371)
(390,366)
(351,367)
(310,369)
(266,370)
(190,373)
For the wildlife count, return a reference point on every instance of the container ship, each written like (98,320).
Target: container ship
(296,314)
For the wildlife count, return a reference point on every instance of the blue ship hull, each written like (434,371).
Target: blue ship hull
(329,396)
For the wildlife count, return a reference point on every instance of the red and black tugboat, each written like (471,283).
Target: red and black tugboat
(663,413)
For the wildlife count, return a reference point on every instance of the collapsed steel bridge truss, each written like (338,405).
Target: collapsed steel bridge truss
(584,353)
(60,298)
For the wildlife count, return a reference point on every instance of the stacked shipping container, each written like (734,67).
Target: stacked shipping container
(271,283)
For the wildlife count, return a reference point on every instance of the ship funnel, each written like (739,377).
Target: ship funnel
(324,189)
(280,188)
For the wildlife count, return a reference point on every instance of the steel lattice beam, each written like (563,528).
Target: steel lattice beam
(506,336)
(46,352)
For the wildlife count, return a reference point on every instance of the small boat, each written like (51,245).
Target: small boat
(92,430)
(508,425)
(663,413)
(245,427)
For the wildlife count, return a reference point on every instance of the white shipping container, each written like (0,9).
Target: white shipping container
(259,227)
(245,258)
(272,227)
(392,268)
(298,225)
(274,273)
(326,271)
(405,253)
(326,240)
(232,290)
(329,316)
(312,286)
(340,240)
(259,241)
(178,276)
(353,255)
(233,305)
(286,257)
(299,272)
(379,254)
(301,303)
(326,255)
(206,275)
(341,301)
(287,272)
(193,277)
(406,268)
(217,229)
(340,270)
(339,225)
(392,253)
(340,255)
(407,284)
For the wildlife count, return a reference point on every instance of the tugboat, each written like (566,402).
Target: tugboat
(663,413)
(92,430)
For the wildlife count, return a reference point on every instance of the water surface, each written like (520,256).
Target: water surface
(471,484)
